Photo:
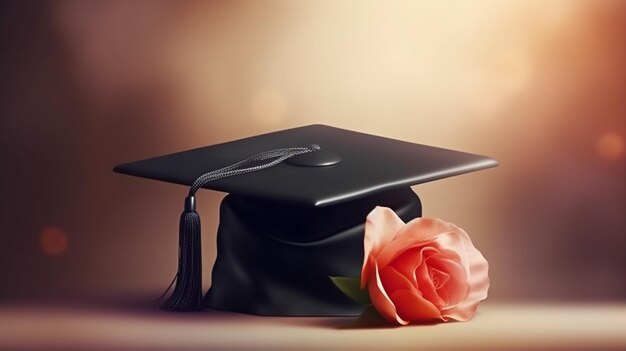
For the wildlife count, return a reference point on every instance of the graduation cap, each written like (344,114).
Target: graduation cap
(295,213)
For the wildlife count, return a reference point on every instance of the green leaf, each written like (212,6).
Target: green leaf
(351,287)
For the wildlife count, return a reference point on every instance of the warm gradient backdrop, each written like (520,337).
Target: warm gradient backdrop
(538,85)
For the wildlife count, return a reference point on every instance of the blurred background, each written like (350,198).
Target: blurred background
(86,85)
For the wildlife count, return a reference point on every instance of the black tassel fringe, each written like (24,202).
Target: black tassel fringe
(187,295)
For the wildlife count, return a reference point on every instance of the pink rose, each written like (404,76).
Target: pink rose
(421,271)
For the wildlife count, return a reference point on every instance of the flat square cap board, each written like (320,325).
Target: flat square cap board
(349,165)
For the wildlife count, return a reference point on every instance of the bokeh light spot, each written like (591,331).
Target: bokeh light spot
(610,146)
(268,106)
(53,241)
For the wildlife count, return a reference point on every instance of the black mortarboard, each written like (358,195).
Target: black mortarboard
(295,213)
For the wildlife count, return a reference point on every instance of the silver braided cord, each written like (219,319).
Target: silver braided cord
(279,155)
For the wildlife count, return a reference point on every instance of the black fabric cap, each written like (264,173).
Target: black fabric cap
(363,165)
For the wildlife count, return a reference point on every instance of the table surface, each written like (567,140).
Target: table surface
(495,327)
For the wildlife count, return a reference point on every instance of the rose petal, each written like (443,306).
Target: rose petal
(455,241)
(456,289)
(411,306)
(381,300)
(409,303)
(426,286)
(477,277)
(478,282)
(411,265)
(440,278)
(460,313)
(393,280)
(367,270)
(381,226)
(418,232)
(408,261)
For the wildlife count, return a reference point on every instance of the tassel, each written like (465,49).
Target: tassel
(187,295)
